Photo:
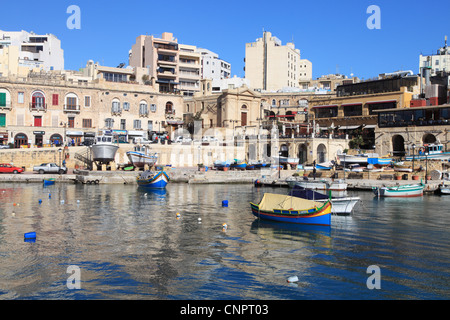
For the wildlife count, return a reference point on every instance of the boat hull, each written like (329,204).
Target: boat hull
(318,185)
(321,216)
(140,160)
(104,153)
(159,180)
(49,182)
(407,191)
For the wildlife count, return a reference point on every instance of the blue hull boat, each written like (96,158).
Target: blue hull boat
(154,180)
(49,182)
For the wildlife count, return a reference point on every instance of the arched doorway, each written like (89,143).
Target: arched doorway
(302,154)
(56,140)
(284,149)
(398,146)
(429,138)
(321,153)
(20,139)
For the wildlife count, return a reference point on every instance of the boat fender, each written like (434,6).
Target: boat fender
(30,235)
(40,201)
(224,203)
(224,226)
(178,215)
(97,181)
(292,279)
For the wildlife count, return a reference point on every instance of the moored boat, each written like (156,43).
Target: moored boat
(430,151)
(238,164)
(401,167)
(49,181)
(153,179)
(339,205)
(104,149)
(330,185)
(444,188)
(283,208)
(404,191)
(325,165)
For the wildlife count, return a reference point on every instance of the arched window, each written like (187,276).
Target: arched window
(38,100)
(169,108)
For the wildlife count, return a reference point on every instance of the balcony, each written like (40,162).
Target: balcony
(70,108)
(38,106)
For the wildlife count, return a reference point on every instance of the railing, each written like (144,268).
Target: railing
(71,108)
(38,106)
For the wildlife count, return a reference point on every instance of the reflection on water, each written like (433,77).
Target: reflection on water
(129,243)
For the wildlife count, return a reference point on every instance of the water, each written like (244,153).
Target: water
(130,245)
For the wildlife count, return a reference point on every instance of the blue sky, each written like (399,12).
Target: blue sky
(331,34)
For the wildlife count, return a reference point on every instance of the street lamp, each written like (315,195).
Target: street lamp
(414,152)
(426,167)
(60,151)
(279,169)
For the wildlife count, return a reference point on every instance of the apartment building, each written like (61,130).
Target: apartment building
(57,107)
(34,51)
(212,66)
(440,61)
(270,66)
(189,70)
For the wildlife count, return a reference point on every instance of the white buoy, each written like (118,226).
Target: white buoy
(62,201)
(292,279)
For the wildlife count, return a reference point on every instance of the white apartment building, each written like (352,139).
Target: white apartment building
(34,51)
(436,62)
(270,66)
(213,67)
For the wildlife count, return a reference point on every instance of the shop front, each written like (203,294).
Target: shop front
(74,138)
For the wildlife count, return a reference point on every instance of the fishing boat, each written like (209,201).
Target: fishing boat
(153,179)
(444,188)
(379,161)
(325,165)
(430,151)
(339,205)
(304,182)
(49,181)
(141,157)
(220,165)
(238,164)
(293,162)
(358,158)
(104,149)
(401,167)
(408,190)
(284,208)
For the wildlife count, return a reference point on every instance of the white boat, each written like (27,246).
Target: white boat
(325,165)
(408,190)
(336,185)
(141,157)
(104,149)
(430,151)
(401,167)
(444,188)
(358,158)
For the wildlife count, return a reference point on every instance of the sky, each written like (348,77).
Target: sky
(333,35)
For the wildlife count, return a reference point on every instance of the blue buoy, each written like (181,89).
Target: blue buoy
(30,235)
(40,200)
(49,196)
(224,203)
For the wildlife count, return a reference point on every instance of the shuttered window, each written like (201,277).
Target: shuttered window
(2,99)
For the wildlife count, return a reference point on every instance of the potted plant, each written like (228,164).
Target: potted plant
(415,175)
(397,176)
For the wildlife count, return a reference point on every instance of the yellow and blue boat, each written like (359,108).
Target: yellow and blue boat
(153,179)
(283,208)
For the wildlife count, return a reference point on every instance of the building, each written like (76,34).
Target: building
(34,51)
(327,82)
(212,66)
(189,68)
(270,66)
(436,62)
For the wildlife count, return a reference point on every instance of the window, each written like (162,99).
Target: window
(55,99)
(87,101)
(115,107)
(71,103)
(87,123)
(123,124)
(109,123)
(137,124)
(71,122)
(126,106)
(143,111)
(38,101)
(153,107)
(20,97)
(150,125)
(2,99)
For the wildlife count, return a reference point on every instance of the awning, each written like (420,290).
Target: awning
(74,133)
(174,122)
(348,127)
(135,133)
(370,126)
(120,132)
(384,101)
(89,134)
(351,104)
(326,106)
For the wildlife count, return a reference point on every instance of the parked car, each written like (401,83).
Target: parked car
(181,139)
(8,168)
(142,140)
(4,146)
(50,168)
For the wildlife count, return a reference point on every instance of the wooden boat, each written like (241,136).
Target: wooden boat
(339,205)
(325,165)
(408,190)
(238,164)
(430,151)
(330,185)
(220,165)
(401,167)
(380,161)
(358,158)
(141,157)
(49,182)
(283,208)
(153,179)
(444,188)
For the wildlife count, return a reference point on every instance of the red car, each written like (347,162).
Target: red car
(7,168)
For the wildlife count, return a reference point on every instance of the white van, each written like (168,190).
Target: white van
(181,139)
(141,140)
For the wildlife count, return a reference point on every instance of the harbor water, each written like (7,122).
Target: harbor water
(129,243)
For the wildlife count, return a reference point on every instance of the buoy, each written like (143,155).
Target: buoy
(49,196)
(40,200)
(224,227)
(178,215)
(62,201)
(224,203)
(30,235)
(292,279)
(78,201)
(145,195)
(13,214)
(199,220)
(14,204)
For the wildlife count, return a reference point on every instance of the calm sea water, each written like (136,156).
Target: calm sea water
(130,245)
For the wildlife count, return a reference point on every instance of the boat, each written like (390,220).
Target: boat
(293,162)
(401,167)
(407,190)
(379,161)
(238,164)
(356,168)
(141,157)
(339,205)
(284,208)
(330,185)
(104,149)
(153,179)
(49,181)
(358,158)
(325,165)
(220,165)
(430,151)
(444,188)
